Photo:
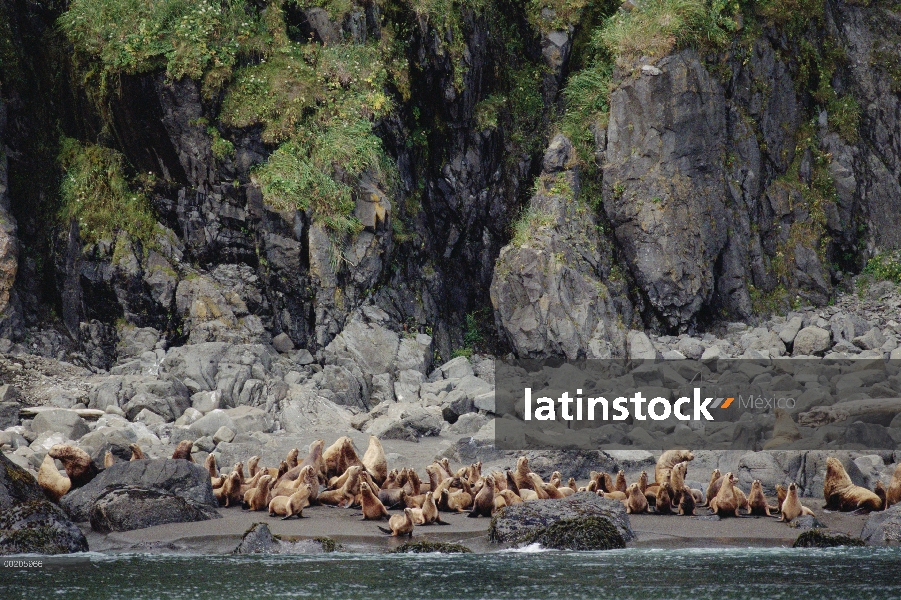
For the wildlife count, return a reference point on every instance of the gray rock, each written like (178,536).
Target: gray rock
(484,402)
(461,399)
(558,154)
(691,348)
(406,387)
(9,414)
(148,417)
(790,330)
(640,346)
(871,340)
(415,353)
(131,507)
(210,423)
(247,418)
(883,528)
(203,444)
(811,341)
(469,423)
(522,522)
(206,401)
(283,343)
(456,368)
(9,393)
(28,522)
(369,345)
(257,540)
(66,422)
(223,434)
(186,480)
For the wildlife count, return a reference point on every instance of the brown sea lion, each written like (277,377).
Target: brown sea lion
(553,492)
(183,451)
(393,497)
(445,465)
(430,511)
(725,503)
(289,488)
(714,486)
(792,508)
(108,460)
(293,505)
(436,476)
(54,485)
(521,473)
(413,486)
(291,459)
(511,483)
(781,494)
(614,495)
(277,474)
(346,495)
(374,460)
(340,456)
(636,502)
(253,466)
(664,504)
(474,472)
(677,481)
(620,485)
(211,467)
(483,503)
(893,492)
(399,525)
(572,484)
(668,460)
(510,498)
(313,459)
(230,492)
(458,501)
(687,502)
(556,479)
(879,490)
(538,486)
(757,503)
(841,494)
(258,497)
(373,509)
(77,463)
(136,452)
(643,481)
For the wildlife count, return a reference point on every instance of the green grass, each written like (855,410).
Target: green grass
(565,13)
(526,225)
(886,265)
(844,117)
(96,193)
(661,26)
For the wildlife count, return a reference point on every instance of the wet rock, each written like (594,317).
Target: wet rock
(134,507)
(257,540)
(429,547)
(819,539)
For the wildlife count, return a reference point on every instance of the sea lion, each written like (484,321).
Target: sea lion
(635,501)
(893,493)
(445,466)
(230,492)
(725,503)
(253,466)
(553,492)
(509,497)
(521,473)
(572,484)
(436,476)
(613,495)
(288,488)
(313,459)
(792,508)
(483,504)
(399,525)
(211,467)
(109,461)
(392,497)
(374,460)
(677,481)
(413,486)
(277,474)
(340,456)
(511,483)
(346,495)
(741,498)
(77,463)
(714,486)
(136,452)
(781,494)
(757,503)
(668,460)
(293,505)
(556,479)
(430,511)
(784,431)
(258,497)
(643,481)
(664,504)
(841,494)
(879,490)
(538,486)
(291,459)
(54,485)
(373,509)
(687,502)
(183,451)
(474,472)
(620,485)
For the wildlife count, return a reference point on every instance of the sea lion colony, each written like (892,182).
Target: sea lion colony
(337,476)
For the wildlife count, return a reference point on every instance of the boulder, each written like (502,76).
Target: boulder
(415,353)
(883,528)
(790,330)
(66,422)
(257,540)
(135,507)
(525,523)
(369,345)
(871,340)
(811,341)
(9,414)
(640,346)
(29,523)
(283,343)
(461,399)
(186,480)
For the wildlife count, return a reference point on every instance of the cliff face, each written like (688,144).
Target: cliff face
(720,184)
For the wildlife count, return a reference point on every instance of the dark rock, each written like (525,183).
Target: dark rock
(819,539)
(257,540)
(425,547)
(186,480)
(9,414)
(28,522)
(587,533)
(524,523)
(125,509)
(883,528)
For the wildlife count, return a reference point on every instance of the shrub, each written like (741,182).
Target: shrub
(96,194)
(885,266)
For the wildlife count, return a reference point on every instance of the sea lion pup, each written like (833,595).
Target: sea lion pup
(136,452)
(374,460)
(879,490)
(291,459)
(258,497)
(664,504)
(792,507)
(893,493)
(347,494)
(109,461)
(841,494)
(725,503)
(620,485)
(483,504)
(635,500)
(668,460)
(183,451)
(784,431)
(373,509)
(687,503)
(509,497)
(571,484)
(430,511)
(757,504)
(292,505)
(521,473)
(77,463)
(230,492)
(253,466)
(399,525)
(54,485)
(714,486)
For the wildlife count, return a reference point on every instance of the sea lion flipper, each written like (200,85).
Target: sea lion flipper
(388,531)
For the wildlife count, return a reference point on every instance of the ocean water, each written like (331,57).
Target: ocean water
(720,574)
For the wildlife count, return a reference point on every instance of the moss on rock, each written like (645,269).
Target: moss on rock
(588,533)
(819,539)
(425,546)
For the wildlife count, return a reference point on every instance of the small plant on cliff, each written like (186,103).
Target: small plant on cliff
(97,195)
(885,266)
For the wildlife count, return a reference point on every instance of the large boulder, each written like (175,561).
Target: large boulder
(66,422)
(29,523)
(883,528)
(185,480)
(128,508)
(531,521)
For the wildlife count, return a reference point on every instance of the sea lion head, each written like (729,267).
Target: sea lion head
(522,463)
